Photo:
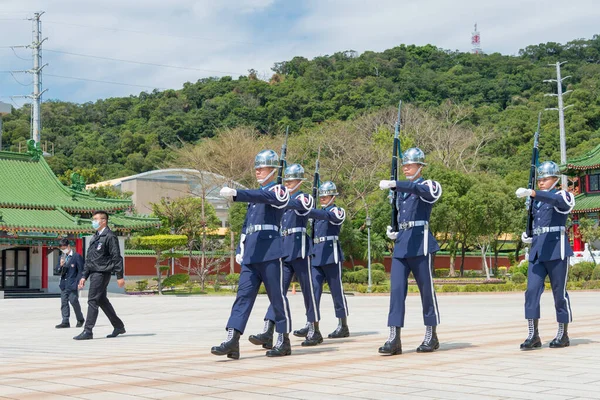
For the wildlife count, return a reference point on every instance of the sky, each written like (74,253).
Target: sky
(90,42)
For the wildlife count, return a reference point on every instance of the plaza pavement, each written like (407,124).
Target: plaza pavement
(166,353)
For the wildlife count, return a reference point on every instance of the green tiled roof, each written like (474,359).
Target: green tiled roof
(25,183)
(589,160)
(123,222)
(17,219)
(585,203)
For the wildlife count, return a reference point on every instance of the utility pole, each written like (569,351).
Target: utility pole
(36,45)
(561,117)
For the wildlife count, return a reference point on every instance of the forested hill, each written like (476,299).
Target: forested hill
(503,94)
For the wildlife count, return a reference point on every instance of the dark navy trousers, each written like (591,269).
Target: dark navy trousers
(300,266)
(332,273)
(421,268)
(558,271)
(270,273)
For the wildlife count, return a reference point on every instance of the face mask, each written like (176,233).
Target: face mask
(65,251)
(95,224)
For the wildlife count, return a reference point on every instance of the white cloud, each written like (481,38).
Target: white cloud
(233,36)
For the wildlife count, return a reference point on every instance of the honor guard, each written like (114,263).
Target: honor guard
(413,249)
(326,262)
(549,255)
(296,248)
(259,254)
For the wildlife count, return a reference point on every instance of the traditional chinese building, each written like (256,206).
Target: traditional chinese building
(585,172)
(37,210)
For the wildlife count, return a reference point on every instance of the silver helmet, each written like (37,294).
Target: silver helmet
(294,172)
(414,155)
(266,158)
(328,188)
(547,169)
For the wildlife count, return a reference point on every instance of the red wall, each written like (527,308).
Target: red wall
(144,265)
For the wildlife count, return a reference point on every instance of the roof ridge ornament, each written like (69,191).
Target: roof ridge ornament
(77,182)
(34,150)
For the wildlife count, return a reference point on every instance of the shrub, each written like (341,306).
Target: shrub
(176,280)
(413,289)
(348,277)
(449,288)
(358,268)
(441,272)
(232,280)
(325,288)
(596,273)
(141,285)
(361,288)
(261,289)
(377,267)
(502,271)
(591,285)
(381,289)
(377,277)
(470,288)
(519,268)
(361,276)
(583,271)
(518,277)
(189,286)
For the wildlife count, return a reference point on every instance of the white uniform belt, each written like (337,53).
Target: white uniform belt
(289,231)
(325,238)
(548,229)
(255,228)
(411,224)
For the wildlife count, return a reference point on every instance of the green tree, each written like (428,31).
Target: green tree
(160,244)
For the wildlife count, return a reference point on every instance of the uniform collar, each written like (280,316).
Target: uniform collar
(329,207)
(268,185)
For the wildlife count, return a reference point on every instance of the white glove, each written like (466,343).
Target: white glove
(238,258)
(228,192)
(383,185)
(526,239)
(392,235)
(522,192)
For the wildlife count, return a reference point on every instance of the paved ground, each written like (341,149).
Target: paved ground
(166,353)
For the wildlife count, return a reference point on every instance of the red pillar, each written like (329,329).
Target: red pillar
(578,244)
(79,246)
(44,267)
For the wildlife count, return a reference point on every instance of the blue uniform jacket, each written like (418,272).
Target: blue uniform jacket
(551,209)
(71,272)
(328,222)
(415,201)
(265,207)
(298,244)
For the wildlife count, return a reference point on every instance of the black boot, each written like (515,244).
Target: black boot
(314,336)
(230,347)
(302,332)
(85,335)
(533,338)
(562,337)
(63,325)
(393,345)
(264,339)
(80,323)
(430,342)
(282,347)
(341,331)
(116,332)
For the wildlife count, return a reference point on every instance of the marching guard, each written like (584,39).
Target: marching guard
(259,253)
(549,255)
(413,249)
(327,258)
(297,249)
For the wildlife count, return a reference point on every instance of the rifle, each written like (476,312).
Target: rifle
(315,191)
(282,161)
(397,149)
(532,178)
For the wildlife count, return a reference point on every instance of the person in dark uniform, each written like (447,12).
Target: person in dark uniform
(413,249)
(70,269)
(296,248)
(103,258)
(259,253)
(327,258)
(549,255)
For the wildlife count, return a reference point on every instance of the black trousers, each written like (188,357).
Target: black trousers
(66,297)
(97,299)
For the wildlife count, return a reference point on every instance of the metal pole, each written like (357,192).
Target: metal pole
(368,221)
(36,123)
(561,124)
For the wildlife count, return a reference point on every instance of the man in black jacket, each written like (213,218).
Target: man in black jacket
(70,269)
(103,258)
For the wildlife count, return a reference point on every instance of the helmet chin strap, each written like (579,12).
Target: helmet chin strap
(553,185)
(330,201)
(292,190)
(266,178)
(410,178)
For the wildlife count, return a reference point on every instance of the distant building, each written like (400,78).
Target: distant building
(150,187)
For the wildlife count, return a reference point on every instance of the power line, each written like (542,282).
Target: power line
(141,62)
(155,34)
(102,81)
